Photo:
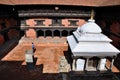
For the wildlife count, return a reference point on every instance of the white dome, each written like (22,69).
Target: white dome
(90,27)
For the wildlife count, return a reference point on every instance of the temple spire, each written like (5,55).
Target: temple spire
(92,14)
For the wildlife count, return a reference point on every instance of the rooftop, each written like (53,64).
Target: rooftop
(96,3)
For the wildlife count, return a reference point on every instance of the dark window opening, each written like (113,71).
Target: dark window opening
(56,22)
(56,33)
(40,33)
(48,33)
(64,33)
(39,22)
(73,22)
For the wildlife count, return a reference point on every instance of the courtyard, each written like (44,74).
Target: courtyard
(46,64)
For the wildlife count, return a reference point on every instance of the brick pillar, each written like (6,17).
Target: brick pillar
(31,33)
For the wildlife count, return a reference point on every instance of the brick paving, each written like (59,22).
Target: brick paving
(47,56)
(47,59)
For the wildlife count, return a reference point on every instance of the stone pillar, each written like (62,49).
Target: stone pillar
(68,33)
(52,33)
(44,33)
(80,64)
(60,33)
(86,65)
(98,66)
(111,65)
(102,64)
(73,65)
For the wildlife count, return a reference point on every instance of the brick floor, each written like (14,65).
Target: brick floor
(13,66)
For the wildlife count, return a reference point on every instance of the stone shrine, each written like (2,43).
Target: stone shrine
(29,58)
(90,48)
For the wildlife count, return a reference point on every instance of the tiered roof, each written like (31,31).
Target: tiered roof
(88,41)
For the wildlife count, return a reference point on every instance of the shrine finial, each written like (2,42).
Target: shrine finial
(92,14)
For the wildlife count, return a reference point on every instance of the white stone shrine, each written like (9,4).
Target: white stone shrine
(29,56)
(90,48)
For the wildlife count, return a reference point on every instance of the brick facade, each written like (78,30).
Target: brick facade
(1,39)
(7,26)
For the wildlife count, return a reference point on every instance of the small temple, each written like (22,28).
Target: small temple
(91,48)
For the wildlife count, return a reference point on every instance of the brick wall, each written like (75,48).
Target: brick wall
(31,33)
(47,22)
(13,33)
(115,28)
(6,23)
(1,39)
